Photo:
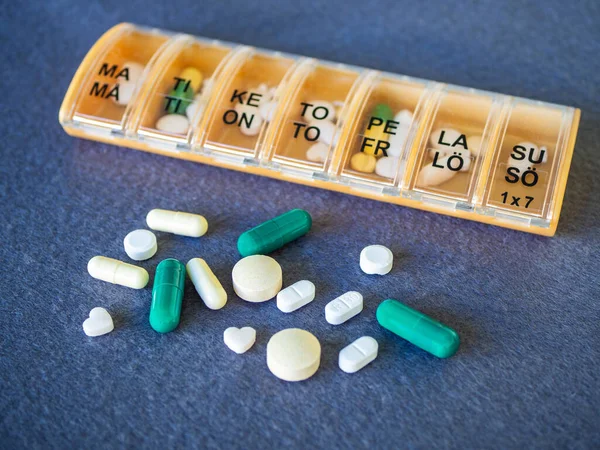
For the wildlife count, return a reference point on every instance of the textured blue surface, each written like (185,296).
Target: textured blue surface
(526,307)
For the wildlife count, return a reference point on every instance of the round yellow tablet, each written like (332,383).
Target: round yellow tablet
(257,278)
(363,162)
(293,354)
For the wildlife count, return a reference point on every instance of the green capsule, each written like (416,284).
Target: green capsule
(417,328)
(179,99)
(274,233)
(167,295)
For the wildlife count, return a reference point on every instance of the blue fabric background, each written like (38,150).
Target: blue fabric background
(526,307)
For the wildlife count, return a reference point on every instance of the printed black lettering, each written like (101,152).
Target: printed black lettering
(106,72)
(239,96)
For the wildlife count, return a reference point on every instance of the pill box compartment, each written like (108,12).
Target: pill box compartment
(527,163)
(382,133)
(245,106)
(447,160)
(313,118)
(105,93)
(178,90)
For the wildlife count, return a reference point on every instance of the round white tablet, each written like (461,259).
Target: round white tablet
(293,354)
(140,245)
(376,259)
(257,278)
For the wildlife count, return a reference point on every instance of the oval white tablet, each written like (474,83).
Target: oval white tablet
(358,354)
(293,354)
(140,245)
(344,307)
(176,222)
(207,285)
(173,123)
(376,260)
(117,272)
(296,296)
(257,278)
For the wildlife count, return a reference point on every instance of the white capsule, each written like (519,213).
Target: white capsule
(376,260)
(207,285)
(344,307)
(474,145)
(320,110)
(388,167)
(358,354)
(117,272)
(296,296)
(327,131)
(173,123)
(182,223)
(431,175)
(317,152)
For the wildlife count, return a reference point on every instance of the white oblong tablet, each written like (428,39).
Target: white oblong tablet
(293,354)
(376,260)
(358,354)
(344,307)
(117,272)
(207,285)
(257,278)
(176,222)
(140,245)
(296,296)
(173,123)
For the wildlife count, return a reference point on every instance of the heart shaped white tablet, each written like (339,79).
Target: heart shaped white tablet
(99,323)
(239,339)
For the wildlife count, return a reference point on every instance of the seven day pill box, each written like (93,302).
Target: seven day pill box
(463,152)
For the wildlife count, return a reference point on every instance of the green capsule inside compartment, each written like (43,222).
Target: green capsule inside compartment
(167,295)
(418,328)
(275,233)
(179,99)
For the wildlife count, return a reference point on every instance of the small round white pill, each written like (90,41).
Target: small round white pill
(358,354)
(376,259)
(173,123)
(140,245)
(257,278)
(293,354)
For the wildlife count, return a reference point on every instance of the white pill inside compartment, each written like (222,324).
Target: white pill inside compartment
(296,296)
(344,307)
(358,354)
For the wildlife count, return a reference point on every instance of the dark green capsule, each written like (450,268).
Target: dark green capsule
(274,233)
(383,112)
(417,328)
(179,99)
(167,295)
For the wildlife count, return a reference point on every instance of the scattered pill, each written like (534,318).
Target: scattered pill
(257,278)
(376,260)
(140,245)
(167,295)
(173,123)
(207,285)
(239,340)
(417,328)
(176,222)
(275,233)
(344,307)
(296,296)
(98,323)
(358,354)
(293,354)
(118,272)
(363,162)
(317,152)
